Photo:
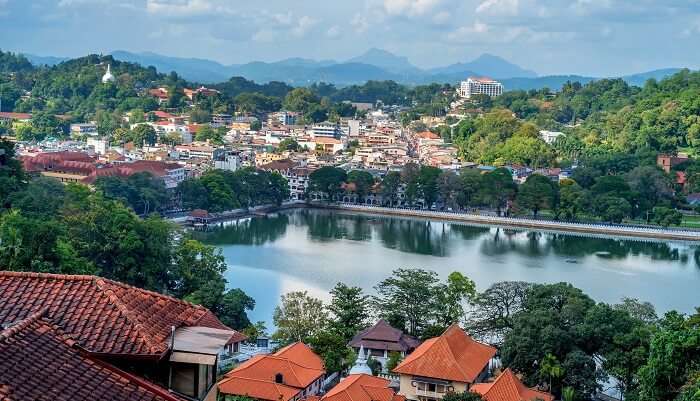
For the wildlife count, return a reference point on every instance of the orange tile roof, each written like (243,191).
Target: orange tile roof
(301,354)
(257,388)
(103,316)
(427,135)
(362,387)
(40,362)
(298,365)
(507,387)
(452,356)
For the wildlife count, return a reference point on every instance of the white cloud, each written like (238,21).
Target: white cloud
(498,7)
(410,8)
(333,32)
(264,36)
(303,26)
(441,17)
(360,23)
(468,33)
(181,8)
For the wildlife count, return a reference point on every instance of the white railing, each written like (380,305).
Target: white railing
(431,394)
(669,233)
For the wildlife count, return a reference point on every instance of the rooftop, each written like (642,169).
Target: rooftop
(362,387)
(383,336)
(507,387)
(452,356)
(41,362)
(101,315)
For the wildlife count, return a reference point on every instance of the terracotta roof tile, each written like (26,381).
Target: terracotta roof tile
(298,365)
(41,363)
(361,387)
(383,336)
(104,316)
(452,356)
(507,387)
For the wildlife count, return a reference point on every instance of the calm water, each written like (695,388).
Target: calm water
(314,249)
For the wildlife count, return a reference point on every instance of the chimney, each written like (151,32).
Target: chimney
(279,378)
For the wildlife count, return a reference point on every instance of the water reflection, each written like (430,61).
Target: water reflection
(434,238)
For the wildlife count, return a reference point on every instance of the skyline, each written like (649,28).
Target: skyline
(609,37)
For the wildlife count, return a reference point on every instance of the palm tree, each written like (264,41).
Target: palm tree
(551,368)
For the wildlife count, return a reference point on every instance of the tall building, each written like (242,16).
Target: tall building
(479,86)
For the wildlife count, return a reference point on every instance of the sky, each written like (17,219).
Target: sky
(588,37)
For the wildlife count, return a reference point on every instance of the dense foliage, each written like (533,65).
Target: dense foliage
(50,227)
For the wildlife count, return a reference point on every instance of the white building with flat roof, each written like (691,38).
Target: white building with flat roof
(550,136)
(479,86)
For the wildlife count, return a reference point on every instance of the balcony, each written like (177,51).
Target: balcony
(429,394)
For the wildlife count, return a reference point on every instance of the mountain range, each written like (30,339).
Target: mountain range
(375,64)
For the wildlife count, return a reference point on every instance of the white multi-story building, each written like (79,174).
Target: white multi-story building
(326,130)
(479,86)
(229,160)
(550,136)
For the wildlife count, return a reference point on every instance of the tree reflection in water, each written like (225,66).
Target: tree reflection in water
(426,237)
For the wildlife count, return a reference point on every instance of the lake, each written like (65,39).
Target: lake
(310,249)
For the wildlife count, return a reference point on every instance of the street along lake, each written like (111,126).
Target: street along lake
(313,249)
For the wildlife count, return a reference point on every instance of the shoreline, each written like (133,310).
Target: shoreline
(632,232)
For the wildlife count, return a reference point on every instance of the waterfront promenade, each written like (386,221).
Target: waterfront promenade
(513,222)
(607,230)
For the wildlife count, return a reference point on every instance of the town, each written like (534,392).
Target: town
(439,235)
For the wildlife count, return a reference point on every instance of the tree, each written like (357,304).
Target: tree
(288,144)
(471,182)
(495,310)
(642,311)
(144,134)
(212,135)
(553,321)
(332,347)
(327,180)
(464,396)
(349,310)
(665,216)
(612,208)
(570,204)
(458,290)
(497,189)
(394,360)
(449,188)
(363,181)
(673,360)
(551,368)
(390,186)
(298,317)
(537,193)
(406,299)
(255,331)
(428,184)
(195,264)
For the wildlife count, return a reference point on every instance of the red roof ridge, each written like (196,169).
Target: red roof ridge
(116,301)
(21,325)
(453,326)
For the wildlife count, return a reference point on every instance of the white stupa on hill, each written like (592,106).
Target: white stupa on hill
(108,77)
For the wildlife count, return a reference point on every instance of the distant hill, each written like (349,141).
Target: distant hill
(487,64)
(375,64)
(387,61)
(44,60)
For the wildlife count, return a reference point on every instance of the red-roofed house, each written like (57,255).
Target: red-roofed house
(291,374)
(40,362)
(507,387)
(381,339)
(451,362)
(362,387)
(173,343)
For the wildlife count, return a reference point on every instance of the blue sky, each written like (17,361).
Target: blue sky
(593,37)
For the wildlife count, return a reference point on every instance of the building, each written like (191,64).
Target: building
(452,362)
(196,150)
(479,86)
(362,387)
(508,387)
(39,362)
(99,145)
(667,162)
(228,160)
(283,118)
(297,176)
(550,136)
(84,129)
(381,340)
(64,166)
(221,120)
(291,374)
(326,130)
(115,336)
(9,117)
